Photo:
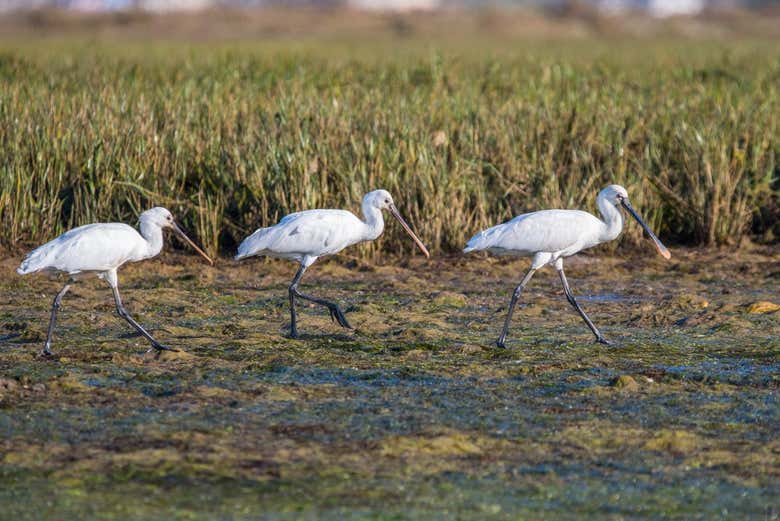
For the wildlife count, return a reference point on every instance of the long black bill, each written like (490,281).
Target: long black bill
(394,211)
(661,248)
(183,235)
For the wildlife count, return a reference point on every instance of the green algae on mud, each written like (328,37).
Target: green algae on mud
(413,415)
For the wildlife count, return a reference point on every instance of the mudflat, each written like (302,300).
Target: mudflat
(412,415)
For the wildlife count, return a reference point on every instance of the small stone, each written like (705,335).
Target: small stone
(762,307)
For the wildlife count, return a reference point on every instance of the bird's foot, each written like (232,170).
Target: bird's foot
(602,340)
(46,352)
(294,334)
(338,316)
(501,343)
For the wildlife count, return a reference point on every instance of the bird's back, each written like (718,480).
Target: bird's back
(311,232)
(550,231)
(92,247)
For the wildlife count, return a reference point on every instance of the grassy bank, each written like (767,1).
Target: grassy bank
(233,136)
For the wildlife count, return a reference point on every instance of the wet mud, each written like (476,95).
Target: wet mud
(412,415)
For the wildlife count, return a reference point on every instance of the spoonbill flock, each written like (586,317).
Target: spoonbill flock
(548,236)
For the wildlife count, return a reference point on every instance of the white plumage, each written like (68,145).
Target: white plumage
(101,249)
(306,236)
(561,232)
(92,248)
(552,235)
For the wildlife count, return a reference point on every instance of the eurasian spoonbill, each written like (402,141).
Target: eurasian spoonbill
(101,248)
(551,235)
(306,236)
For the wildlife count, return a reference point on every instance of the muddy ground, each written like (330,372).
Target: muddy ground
(413,415)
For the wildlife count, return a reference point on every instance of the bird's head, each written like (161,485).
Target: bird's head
(158,216)
(382,200)
(618,196)
(615,194)
(161,217)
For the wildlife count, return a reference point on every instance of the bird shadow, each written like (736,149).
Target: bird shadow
(322,336)
(168,334)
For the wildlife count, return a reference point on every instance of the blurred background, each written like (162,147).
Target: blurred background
(493,18)
(653,7)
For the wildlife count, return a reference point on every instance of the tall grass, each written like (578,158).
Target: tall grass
(235,137)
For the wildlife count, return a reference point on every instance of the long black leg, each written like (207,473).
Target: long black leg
(335,311)
(292,291)
(120,309)
(573,302)
(55,306)
(515,295)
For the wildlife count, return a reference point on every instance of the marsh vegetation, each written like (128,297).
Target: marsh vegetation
(234,136)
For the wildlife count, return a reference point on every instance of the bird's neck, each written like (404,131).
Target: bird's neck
(613,220)
(375,222)
(154,239)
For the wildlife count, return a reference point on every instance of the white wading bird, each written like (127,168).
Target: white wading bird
(101,248)
(551,235)
(308,235)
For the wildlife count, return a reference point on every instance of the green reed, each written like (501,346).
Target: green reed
(234,137)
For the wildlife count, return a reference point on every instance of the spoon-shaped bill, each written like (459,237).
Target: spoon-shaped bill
(661,248)
(394,211)
(183,235)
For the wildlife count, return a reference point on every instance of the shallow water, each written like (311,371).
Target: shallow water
(411,416)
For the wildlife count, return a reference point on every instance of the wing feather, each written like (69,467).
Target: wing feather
(92,247)
(312,232)
(543,231)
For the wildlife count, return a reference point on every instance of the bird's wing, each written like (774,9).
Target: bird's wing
(92,247)
(543,231)
(312,232)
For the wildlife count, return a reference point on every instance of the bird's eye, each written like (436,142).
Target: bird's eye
(387,201)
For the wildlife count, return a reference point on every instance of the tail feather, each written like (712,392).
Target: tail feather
(469,249)
(32,262)
(484,240)
(250,246)
(475,243)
